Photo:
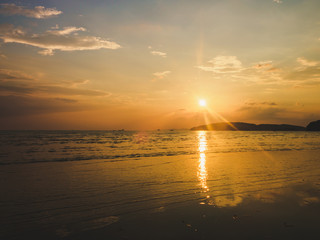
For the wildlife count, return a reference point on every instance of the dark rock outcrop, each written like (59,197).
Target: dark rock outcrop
(240,126)
(314,126)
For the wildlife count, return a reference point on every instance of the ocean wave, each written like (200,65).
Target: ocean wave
(63,146)
(110,158)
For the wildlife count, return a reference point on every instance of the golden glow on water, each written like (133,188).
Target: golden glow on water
(231,177)
(202,170)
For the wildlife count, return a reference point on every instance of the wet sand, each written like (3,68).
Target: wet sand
(255,195)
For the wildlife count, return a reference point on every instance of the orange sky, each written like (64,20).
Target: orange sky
(145,65)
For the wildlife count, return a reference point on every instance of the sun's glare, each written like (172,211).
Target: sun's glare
(202,102)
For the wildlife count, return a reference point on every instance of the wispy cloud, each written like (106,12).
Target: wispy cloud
(307,63)
(65,30)
(266,66)
(12,75)
(24,89)
(157,53)
(277,1)
(260,113)
(254,103)
(223,64)
(262,73)
(263,65)
(80,82)
(14,82)
(274,113)
(12,105)
(66,39)
(3,56)
(39,12)
(161,75)
(307,74)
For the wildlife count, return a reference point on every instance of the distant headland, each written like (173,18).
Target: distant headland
(241,126)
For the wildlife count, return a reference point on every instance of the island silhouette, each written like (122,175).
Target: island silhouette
(242,126)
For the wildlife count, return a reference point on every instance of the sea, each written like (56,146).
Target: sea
(176,184)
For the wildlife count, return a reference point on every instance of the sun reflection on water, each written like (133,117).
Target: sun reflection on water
(202,170)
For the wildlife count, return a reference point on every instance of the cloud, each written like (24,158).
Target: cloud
(3,56)
(264,114)
(263,65)
(306,76)
(252,103)
(12,75)
(223,64)
(13,82)
(11,105)
(306,63)
(277,1)
(80,82)
(66,30)
(265,73)
(273,69)
(46,52)
(66,39)
(161,75)
(66,100)
(157,53)
(260,73)
(266,66)
(273,114)
(24,88)
(39,12)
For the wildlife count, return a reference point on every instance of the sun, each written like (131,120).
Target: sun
(202,103)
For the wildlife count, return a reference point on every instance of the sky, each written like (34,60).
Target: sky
(145,64)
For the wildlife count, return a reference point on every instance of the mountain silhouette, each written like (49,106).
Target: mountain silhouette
(314,126)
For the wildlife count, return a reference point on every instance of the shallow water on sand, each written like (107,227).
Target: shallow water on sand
(156,185)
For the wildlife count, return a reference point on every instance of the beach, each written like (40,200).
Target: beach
(202,195)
